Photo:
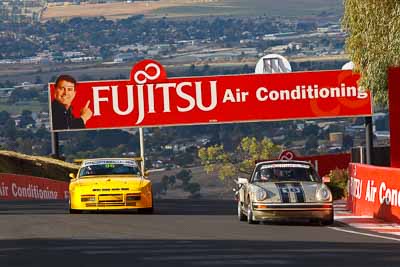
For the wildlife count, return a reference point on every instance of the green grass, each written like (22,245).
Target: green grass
(17,108)
(286,8)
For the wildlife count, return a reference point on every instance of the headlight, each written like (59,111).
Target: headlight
(88,198)
(131,197)
(261,195)
(323,194)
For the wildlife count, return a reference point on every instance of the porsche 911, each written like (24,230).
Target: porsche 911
(284,190)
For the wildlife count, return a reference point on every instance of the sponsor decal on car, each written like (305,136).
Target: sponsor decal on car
(105,162)
(283,165)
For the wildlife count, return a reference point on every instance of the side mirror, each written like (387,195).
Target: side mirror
(326,179)
(242,181)
(146,173)
(72,175)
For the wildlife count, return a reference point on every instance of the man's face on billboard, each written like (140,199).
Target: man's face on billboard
(65,93)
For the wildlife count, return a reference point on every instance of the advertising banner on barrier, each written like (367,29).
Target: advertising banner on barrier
(150,98)
(22,187)
(394,116)
(374,191)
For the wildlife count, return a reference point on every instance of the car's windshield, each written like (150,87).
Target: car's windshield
(108,169)
(285,172)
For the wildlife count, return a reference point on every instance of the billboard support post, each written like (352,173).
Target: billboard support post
(54,145)
(369,140)
(141,137)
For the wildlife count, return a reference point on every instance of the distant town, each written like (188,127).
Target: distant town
(201,40)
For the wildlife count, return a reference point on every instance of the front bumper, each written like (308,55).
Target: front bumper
(265,211)
(111,201)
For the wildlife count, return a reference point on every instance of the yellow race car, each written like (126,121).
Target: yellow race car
(110,184)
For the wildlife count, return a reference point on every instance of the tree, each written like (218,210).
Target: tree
(193,189)
(168,181)
(185,176)
(9,129)
(374,41)
(158,189)
(26,119)
(165,181)
(229,164)
(4,117)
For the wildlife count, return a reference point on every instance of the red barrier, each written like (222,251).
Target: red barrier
(323,163)
(20,187)
(374,191)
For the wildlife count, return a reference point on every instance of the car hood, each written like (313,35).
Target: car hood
(131,182)
(297,190)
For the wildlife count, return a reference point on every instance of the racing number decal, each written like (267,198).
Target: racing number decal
(299,192)
(285,190)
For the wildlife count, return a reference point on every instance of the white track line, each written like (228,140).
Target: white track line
(359,233)
(375,226)
(394,233)
(337,216)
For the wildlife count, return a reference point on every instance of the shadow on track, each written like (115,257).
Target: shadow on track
(188,207)
(100,253)
(24,207)
(162,207)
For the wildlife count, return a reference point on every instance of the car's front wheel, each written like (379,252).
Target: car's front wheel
(250,219)
(241,216)
(146,210)
(72,211)
(330,220)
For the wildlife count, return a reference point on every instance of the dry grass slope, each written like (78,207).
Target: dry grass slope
(17,163)
(194,8)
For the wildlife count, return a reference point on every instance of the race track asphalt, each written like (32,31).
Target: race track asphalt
(180,233)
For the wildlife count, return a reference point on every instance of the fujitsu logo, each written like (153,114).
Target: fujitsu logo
(356,187)
(149,78)
(143,74)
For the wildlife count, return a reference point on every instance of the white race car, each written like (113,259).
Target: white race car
(284,189)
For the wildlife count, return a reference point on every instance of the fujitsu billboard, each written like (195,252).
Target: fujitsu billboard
(149,98)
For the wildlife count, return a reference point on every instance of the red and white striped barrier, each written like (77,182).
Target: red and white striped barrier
(23,187)
(374,191)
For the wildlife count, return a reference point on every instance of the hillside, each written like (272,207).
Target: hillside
(195,8)
(17,163)
(210,186)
